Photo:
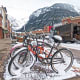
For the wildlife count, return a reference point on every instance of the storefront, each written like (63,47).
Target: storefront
(1,33)
(6,34)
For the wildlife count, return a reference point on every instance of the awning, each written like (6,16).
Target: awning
(5,31)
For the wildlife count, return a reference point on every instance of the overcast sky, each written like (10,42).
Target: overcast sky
(23,8)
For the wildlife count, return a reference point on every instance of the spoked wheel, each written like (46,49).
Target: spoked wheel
(23,58)
(62,60)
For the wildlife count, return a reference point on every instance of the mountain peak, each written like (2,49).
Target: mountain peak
(64,6)
(50,15)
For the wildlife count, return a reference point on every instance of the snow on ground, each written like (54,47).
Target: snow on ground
(36,75)
(67,45)
(71,46)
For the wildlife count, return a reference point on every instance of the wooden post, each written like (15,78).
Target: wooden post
(72,31)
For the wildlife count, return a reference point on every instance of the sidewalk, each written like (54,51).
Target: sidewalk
(4,53)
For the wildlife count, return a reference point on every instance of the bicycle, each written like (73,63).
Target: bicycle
(48,59)
(23,54)
(18,46)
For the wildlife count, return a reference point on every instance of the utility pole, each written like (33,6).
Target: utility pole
(11,32)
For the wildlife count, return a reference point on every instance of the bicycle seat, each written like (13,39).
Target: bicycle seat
(57,38)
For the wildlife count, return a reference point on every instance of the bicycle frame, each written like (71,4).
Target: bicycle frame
(35,52)
(30,48)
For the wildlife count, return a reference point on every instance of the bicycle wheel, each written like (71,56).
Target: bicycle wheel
(23,58)
(62,60)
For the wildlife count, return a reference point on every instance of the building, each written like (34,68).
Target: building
(40,31)
(75,26)
(74,20)
(45,30)
(1,30)
(3,22)
(8,34)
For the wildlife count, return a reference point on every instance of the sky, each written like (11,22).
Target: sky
(23,8)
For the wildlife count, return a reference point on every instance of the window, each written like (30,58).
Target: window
(6,16)
(78,22)
(5,24)
(0,12)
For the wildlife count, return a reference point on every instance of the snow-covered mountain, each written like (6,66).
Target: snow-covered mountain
(57,5)
(50,15)
(40,11)
(78,9)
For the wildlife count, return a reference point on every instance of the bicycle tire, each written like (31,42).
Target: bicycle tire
(55,58)
(13,65)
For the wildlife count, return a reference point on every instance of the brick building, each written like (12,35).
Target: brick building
(4,23)
(70,28)
(74,20)
(1,30)
(37,31)
(9,29)
(46,30)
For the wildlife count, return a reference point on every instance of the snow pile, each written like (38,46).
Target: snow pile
(71,46)
(33,74)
